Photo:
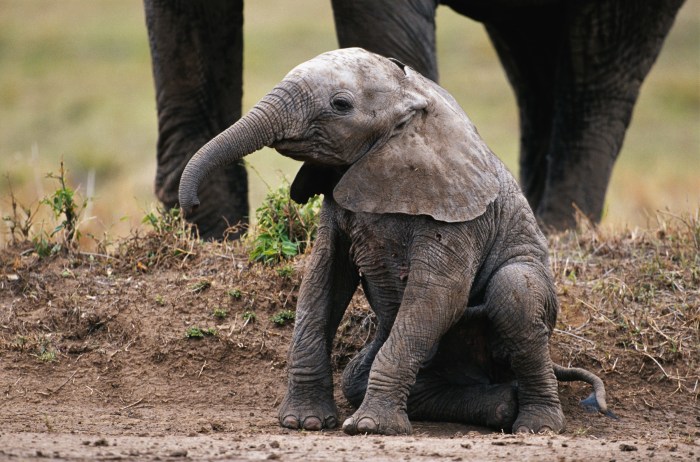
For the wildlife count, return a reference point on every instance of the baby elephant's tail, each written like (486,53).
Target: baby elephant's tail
(596,400)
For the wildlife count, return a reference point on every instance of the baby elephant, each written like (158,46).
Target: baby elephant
(420,212)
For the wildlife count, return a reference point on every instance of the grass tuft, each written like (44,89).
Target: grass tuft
(283,317)
(195,332)
(284,228)
(634,306)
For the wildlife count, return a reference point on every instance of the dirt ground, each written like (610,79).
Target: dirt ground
(95,361)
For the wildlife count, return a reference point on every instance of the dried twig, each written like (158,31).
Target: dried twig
(559,331)
(50,392)
(136,403)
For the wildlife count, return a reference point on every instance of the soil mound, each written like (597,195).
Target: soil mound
(168,348)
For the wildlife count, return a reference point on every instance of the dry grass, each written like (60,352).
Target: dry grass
(631,300)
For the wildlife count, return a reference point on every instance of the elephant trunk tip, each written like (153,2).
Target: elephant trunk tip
(189,209)
(188,203)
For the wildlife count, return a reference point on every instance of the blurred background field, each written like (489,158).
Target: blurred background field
(75,83)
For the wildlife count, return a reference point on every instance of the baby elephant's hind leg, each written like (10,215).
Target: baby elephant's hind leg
(521,306)
(494,406)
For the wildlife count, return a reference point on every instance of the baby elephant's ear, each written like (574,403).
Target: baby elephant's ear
(436,165)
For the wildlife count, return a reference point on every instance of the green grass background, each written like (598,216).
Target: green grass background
(75,83)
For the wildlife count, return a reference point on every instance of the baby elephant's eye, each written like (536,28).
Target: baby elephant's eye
(341,103)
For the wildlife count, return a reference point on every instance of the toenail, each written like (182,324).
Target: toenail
(366,425)
(312,423)
(290,421)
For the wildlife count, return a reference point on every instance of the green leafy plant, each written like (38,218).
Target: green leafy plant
(167,221)
(48,356)
(285,271)
(44,247)
(235,293)
(249,316)
(285,229)
(46,352)
(283,317)
(63,203)
(194,332)
(197,332)
(220,313)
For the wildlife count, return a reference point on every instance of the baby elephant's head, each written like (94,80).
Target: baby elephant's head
(386,128)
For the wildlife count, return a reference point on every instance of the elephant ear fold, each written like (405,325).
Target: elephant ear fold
(435,165)
(311,180)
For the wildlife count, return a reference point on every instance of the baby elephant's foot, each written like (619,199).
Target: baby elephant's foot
(372,419)
(308,414)
(505,408)
(539,419)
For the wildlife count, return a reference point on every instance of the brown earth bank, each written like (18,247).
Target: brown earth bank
(166,348)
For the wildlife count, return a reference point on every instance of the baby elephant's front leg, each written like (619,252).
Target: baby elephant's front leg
(326,290)
(427,311)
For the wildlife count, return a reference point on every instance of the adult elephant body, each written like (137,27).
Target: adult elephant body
(575,66)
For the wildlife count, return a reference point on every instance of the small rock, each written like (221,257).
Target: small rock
(274,444)
(178,453)
(627,447)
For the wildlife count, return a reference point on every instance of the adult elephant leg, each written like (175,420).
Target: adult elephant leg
(528,46)
(197,52)
(403,30)
(328,285)
(521,307)
(610,48)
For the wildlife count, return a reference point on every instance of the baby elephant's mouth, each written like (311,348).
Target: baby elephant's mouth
(306,151)
(294,149)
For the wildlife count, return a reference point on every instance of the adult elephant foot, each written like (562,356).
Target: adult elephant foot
(539,419)
(557,219)
(378,419)
(308,412)
(572,197)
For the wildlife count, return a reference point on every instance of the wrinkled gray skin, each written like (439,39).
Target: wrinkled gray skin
(420,212)
(576,67)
